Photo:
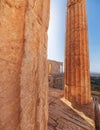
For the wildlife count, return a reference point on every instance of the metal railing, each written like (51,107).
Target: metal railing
(97,113)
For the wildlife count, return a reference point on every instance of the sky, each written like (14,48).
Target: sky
(57,28)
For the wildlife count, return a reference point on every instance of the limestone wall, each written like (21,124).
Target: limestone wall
(23,64)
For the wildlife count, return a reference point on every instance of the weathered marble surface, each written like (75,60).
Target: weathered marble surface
(34,76)
(64,116)
(11,50)
(23,64)
(77,73)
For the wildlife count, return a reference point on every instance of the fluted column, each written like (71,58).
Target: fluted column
(34,74)
(77,74)
(23,64)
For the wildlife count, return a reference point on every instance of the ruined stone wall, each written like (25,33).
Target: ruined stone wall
(56,80)
(55,67)
(23,64)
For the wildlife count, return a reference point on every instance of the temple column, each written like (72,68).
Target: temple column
(34,74)
(23,64)
(77,73)
(12,15)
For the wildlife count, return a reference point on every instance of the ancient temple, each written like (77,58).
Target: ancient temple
(77,74)
(23,62)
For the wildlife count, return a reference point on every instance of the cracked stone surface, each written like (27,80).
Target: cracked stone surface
(64,116)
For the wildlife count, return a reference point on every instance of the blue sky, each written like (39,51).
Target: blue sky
(57,28)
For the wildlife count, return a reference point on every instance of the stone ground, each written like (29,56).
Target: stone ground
(63,116)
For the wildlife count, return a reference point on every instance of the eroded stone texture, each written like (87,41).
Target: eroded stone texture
(34,76)
(11,50)
(77,75)
(23,64)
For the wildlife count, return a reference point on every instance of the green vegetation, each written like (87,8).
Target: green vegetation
(95,83)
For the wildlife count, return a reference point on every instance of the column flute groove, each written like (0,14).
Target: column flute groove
(77,58)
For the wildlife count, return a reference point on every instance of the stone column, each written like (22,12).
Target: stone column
(12,15)
(34,76)
(77,74)
(23,64)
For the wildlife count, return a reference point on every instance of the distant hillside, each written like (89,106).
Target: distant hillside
(95,83)
(95,74)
